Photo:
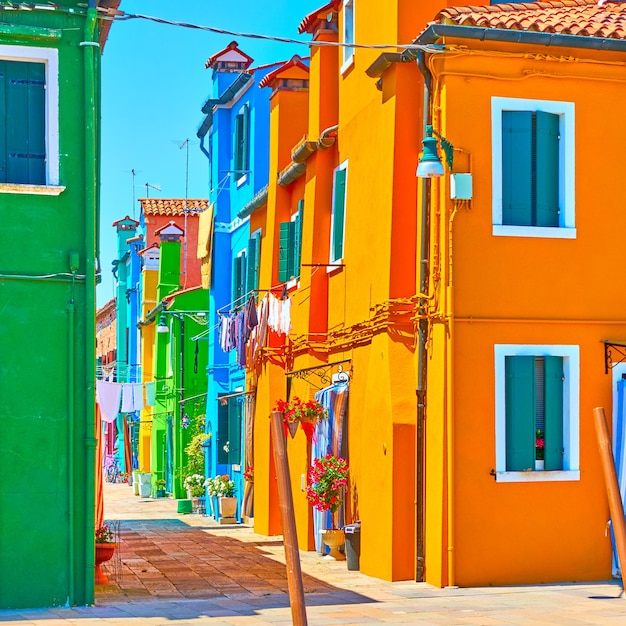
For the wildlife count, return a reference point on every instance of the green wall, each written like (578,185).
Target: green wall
(47,354)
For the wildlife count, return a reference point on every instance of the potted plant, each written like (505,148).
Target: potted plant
(326,482)
(191,481)
(145,484)
(227,501)
(540,445)
(105,547)
(307,413)
(160,488)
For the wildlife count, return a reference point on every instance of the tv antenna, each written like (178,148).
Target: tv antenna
(148,186)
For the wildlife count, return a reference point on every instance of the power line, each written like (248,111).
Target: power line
(232,33)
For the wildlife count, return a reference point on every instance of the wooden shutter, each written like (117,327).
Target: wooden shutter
(517,183)
(234,431)
(245,138)
(547,169)
(22,111)
(239,267)
(297,244)
(553,416)
(222,431)
(254,259)
(237,139)
(520,412)
(339,209)
(285,252)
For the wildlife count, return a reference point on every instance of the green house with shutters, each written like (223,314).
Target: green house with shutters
(49,176)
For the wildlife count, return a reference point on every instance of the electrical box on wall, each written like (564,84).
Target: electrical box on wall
(460,186)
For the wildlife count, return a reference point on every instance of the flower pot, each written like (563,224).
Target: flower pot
(292,427)
(160,493)
(228,506)
(145,489)
(334,539)
(104,552)
(145,478)
(136,482)
(539,465)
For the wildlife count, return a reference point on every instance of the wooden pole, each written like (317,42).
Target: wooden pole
(616,507)
(288,520)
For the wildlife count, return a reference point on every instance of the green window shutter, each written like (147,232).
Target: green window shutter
(237,139)
(23,159)
(520,406)
(553,425)
(547,169)
(222,431)
(339,211)
(254,258)
(297,244)
(3,123)
(245,138)
(235,415)
(517,183)
(285,251)
(239,269)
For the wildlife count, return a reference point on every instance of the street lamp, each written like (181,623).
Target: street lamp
(429,164)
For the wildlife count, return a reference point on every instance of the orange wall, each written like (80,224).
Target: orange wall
(514,290)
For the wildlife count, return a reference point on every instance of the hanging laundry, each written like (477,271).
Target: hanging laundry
(262,314)
(108,396)
(132,397)
(250,318)
(273,319)
(151,394)
(285,317)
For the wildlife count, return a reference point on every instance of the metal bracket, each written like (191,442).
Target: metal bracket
(323,372)
(614,353)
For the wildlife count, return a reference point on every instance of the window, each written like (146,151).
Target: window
(253,264)
(229,419)
(338,218)
(29,145)
(537,389)
(348,34)
(290,247)
(239,277)
(241,148)
(533,168)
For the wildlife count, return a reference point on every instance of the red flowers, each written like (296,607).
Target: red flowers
(326,481)
(308,414)
(248,475)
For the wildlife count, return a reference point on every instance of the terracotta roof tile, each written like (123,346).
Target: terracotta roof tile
(309,21)
(563,17)
(172,206)
(295,61)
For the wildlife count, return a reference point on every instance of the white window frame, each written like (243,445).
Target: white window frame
(567,222)
(571,412)
(331,268)
(50,58)
(347,53)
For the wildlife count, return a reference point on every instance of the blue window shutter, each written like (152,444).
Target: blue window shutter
(553,424)
(297,246)
(517,183)
(285,252)
(252,273)
(239,268)
(245,138)
(237,138)
(547,169)
(235,415)
(339,211)
(222,431)
(520,403)
(24,149)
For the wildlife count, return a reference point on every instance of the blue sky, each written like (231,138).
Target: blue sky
(153,86)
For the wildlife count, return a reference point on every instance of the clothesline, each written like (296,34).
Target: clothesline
(245,296)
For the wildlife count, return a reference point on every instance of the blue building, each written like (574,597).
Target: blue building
(127,271)
(234,136)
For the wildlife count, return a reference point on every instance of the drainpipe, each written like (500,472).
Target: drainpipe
(422,336)
(91,49)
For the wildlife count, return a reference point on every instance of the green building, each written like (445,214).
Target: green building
(49,162)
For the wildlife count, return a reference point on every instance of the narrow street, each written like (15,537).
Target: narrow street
(188,570)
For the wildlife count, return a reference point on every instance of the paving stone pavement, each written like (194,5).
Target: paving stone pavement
(186,569)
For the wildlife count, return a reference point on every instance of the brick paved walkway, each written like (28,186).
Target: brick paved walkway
(185,569)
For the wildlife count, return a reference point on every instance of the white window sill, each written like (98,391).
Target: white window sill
(335,267)
(36,190)
(534,231)
(347,65)
(241,180)
(537,476)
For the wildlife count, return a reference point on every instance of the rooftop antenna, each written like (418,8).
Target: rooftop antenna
(149,186)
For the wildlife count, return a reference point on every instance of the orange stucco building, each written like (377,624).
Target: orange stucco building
(469,309)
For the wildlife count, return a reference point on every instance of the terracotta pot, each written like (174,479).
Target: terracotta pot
(334,539)
(228,507)
(104,552)
(293,428)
